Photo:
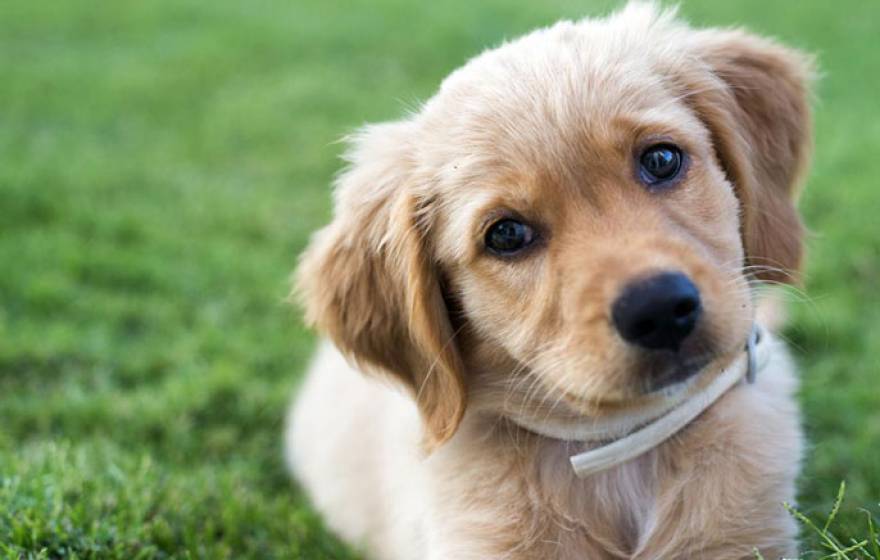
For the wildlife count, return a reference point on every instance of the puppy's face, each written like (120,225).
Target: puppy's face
(599,250)
(572,220)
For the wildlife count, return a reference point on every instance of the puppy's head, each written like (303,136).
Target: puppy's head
(572,222)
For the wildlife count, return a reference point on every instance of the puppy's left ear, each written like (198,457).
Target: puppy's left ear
(754,96)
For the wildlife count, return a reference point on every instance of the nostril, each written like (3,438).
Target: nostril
(685,308)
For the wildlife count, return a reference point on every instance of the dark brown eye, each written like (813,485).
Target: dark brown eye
(660,163)
(506,237)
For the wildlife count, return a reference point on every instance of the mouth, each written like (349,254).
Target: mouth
(656,378)
(674,377)
(664,371)
(667,377)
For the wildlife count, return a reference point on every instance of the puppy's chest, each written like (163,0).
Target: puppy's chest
(548,513)
(607,516)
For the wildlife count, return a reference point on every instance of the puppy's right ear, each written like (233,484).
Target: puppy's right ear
(368,282)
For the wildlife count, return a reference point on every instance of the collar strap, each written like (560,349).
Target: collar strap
(650,436)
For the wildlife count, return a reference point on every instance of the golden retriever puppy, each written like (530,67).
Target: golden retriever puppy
(557,253)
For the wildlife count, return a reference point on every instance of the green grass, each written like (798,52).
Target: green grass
(161,165)
(832,545)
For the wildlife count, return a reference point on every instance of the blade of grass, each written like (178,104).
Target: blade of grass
(836,507)
(827,538)
(858,546)
(873,537)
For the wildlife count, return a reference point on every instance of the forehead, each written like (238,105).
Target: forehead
(565,85)
(548,116)
(561,96)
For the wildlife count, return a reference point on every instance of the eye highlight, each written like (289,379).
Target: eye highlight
(660,163)
(508,236)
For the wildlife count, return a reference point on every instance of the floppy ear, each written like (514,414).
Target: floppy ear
(367,281)
(754,99)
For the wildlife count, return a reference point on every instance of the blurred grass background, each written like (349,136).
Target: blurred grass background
(161,166)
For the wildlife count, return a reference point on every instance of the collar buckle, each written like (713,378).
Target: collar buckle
(752,354)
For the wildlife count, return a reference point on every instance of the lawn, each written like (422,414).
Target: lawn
(162,164)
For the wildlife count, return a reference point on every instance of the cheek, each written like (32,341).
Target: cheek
(708,213)
(727,237)
(509,304)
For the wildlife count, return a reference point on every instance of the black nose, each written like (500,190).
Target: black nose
(658,312)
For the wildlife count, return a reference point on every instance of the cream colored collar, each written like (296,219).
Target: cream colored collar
(642,432)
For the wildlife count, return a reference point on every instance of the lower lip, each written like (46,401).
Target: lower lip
(676,375)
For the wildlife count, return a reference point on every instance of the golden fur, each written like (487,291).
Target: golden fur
(546,128)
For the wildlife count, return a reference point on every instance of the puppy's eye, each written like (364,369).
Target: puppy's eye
(660,163)
(508,236)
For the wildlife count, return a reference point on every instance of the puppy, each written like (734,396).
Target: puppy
(557,250)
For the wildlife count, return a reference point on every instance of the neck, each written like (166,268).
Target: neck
(635,433)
